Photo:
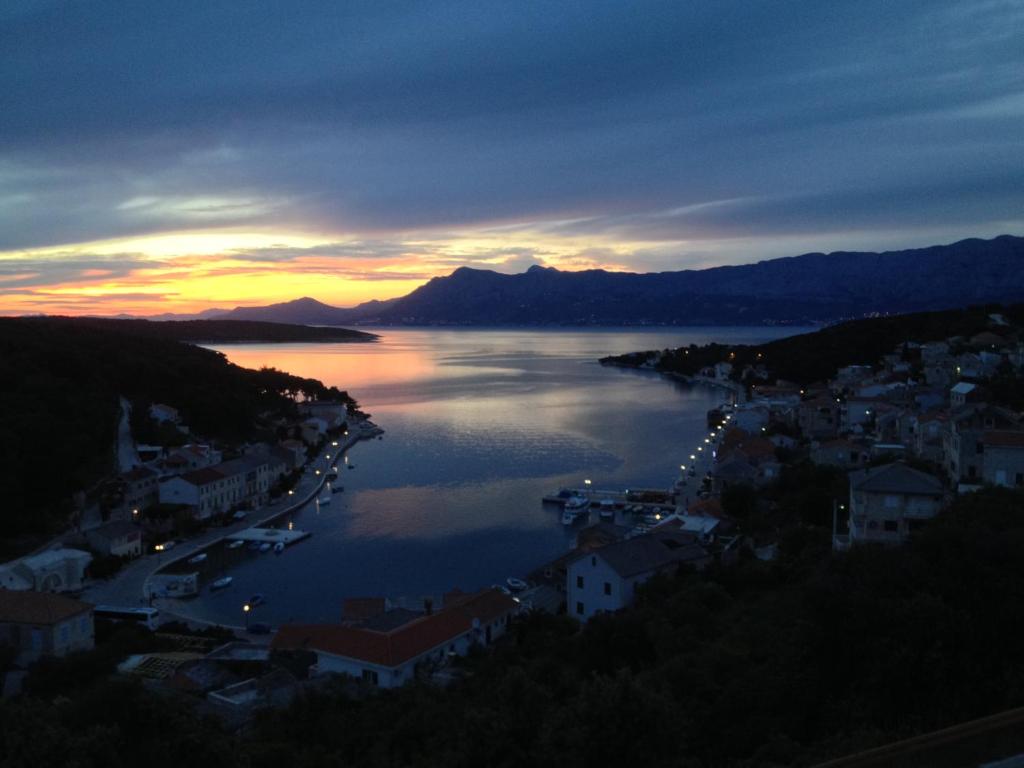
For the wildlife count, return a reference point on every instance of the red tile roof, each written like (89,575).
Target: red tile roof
(27,607)
(1004,439)
(358,608)
(394,648)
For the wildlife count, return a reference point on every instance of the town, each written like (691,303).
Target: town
(879,449)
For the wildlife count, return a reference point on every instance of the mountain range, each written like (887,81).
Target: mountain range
(812,288)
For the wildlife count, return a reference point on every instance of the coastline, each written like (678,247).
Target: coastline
(178,607)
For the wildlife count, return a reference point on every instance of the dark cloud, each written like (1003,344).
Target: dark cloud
(657,121)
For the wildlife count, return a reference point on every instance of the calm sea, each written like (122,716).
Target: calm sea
(479,425)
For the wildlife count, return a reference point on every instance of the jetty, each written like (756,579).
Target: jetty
(270,535)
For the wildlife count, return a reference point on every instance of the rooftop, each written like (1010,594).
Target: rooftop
(24,607)
(652,552)
(396,646)
(1004,438)
(895,478)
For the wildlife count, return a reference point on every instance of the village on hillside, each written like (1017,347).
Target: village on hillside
(872,454)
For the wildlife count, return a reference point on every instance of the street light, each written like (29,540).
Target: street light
(245,609)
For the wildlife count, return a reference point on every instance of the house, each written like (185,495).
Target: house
(206,492)
(888,503)
(38,624)
(963,393)
(389,657)
(215,490)
(839,453)
(962,445)
(191,456)
(55,570)
(296,450)
(928,429)
(819,418)
(606,579)
(140,488)
(255,477)
(1004,458)
(333,412)
(119,538)
(313,430)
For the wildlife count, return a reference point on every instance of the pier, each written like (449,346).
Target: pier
(270,535)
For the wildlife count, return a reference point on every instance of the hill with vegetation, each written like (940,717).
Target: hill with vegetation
(816,356)
(61,380)
(221,331)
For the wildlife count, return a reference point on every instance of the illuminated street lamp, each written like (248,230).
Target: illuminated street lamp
(245,609)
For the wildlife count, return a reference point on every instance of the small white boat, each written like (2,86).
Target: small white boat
(201,557)
(279,548)
(236,544)
(325,499)
(516,585)
(265,546)
(607,509)
(222,582)
(576,504)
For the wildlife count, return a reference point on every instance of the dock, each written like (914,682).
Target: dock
(269,535)
(641,496)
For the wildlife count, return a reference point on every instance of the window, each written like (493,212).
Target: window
(579,608)
(979,448)
(892,501)
(579,582)
(593,562)
(972,471)
(892,526)
(370,676)
(607,588)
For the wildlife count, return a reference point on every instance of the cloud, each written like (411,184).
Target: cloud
(663,132)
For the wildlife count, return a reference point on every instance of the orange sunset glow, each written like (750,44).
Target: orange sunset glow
(194,271)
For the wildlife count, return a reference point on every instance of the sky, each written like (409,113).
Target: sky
(178,156)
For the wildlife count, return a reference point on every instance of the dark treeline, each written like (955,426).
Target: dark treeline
(60,382)
(816,356)
(759,664)
(215,331)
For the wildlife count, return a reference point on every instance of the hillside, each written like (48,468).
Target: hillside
(813,288)
(816,356)
(60,382)
(221,330)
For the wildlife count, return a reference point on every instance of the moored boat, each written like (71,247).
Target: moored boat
(222,582)
(236,544)
(517,585)
(265,546)
(279,548)
(201,557)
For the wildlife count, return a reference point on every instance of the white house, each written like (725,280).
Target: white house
(35,625)
(606,579)
(55,570)
(1004,458)
(888,503)
(390,658)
